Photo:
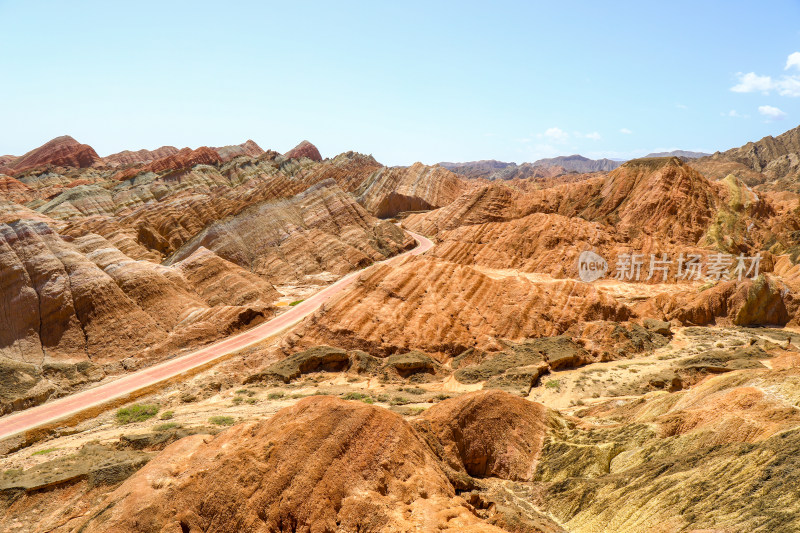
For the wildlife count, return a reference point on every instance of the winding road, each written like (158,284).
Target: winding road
(96,397)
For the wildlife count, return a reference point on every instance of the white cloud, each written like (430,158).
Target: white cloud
(752,82)
(626,131)
(557,134)
(595,136)
(793,61)
(681,106)
(772,113)
(789,86)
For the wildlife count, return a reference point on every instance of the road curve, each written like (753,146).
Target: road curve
(70,405)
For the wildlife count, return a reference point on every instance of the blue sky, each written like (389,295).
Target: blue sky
(404,81)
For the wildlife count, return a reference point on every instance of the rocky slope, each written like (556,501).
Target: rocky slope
(773,162)
(390,191)
(323,465)
(443,308)
(320,230)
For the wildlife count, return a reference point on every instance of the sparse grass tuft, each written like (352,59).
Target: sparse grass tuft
(553,384)
(167,415)
(136,413)
(296,302)
(222,420)
(44,452)
(275,395)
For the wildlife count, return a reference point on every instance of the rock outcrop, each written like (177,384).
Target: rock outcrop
(304,149)
(322,465)
(488,434)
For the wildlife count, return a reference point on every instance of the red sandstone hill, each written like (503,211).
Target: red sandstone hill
(304,149)
(128,157)
(62,151)
(182,159)
(248,148)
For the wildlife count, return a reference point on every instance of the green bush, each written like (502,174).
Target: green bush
(399,400)
(222,420)
(167,415)
(296,302)
(355,396)
(553,384)
(136,413)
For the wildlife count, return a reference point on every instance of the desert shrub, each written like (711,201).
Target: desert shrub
(553,384)
(222,420)
(136,413)
(355,396)
(399,400)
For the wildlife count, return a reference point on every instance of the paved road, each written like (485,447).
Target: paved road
(70,405)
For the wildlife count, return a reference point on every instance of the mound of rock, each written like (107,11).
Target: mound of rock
(323,464)
(304,149)
(488,434)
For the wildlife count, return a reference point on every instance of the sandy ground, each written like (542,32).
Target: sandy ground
(624,292)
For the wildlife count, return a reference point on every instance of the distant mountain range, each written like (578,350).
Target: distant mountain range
(578,163)
(546,168)
(543,168)
(679,153)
